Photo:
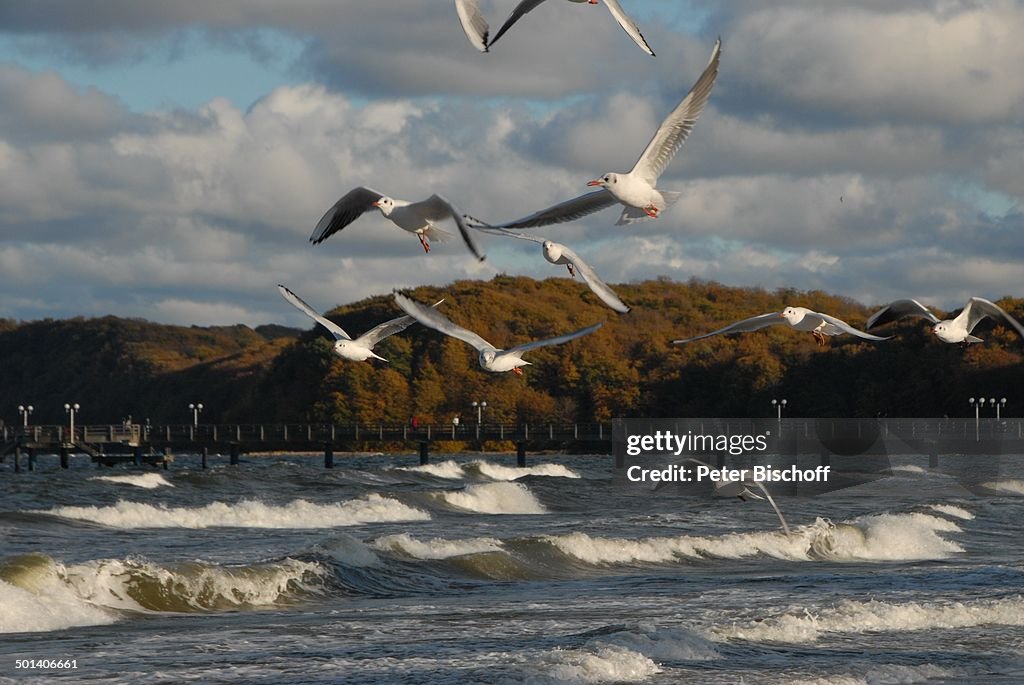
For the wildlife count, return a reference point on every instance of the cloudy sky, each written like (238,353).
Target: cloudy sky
(168,160)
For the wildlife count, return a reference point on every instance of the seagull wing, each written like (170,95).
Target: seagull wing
(754,323)
(599,287)
(438,208)
(473,23)
(388,328)
(350,207)
(628,25)
(677,126)
(847,328)
(519,349)
(510,234)
(337,331)
(570,210)
(517,14)
(431,318)
(978,308)
(900,309)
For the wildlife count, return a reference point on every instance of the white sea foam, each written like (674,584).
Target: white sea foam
(247,514)
(499,472)
(436,548)
(664,644)
(883,674)
(139,480)
(881,537)
(449,469)
(348,550)
(603,664)
(952,510)
(910,468)
(1007,487)
(495,498)
(48,605)
(860,617)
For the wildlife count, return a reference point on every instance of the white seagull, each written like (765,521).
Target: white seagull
(420,218)
(627,24)
(491,358)
(473,23)
(798,318)
(557,253)
(955,330)
(636,190)
(361,348)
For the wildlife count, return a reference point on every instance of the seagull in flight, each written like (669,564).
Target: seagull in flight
(361,348)
(420,218)
(798,318)
(491,358)
(557,253)
(473,23)
(636,189)
(627,24)
(955,330)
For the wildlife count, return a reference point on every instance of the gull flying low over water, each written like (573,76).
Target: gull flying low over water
(345,347)
(636,189)
(798,318)
(627,24)
(420,218)
(557,253)
(491,358)
(955,330)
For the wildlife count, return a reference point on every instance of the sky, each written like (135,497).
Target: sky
(168,161)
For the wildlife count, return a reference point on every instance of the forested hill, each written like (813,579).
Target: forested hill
(116,367)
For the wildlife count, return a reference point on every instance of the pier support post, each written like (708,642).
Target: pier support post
(17,459)
(933,460)
(31,458)
(825,458)
(205,455)
(64,463)
(234,454)
(328,455)
(521,454)
(137,455)
(424,453)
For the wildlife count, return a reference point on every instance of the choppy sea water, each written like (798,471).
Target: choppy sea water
(470,570)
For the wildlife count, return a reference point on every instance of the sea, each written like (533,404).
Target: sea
(471,570)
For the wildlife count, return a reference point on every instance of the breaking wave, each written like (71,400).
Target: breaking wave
(452,470)
(1006,487)
(495,498)
(437,548)
(148,481)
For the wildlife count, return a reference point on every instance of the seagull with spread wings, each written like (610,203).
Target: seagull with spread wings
(636,189)
(491,358)
(359,349)
(420,218)
(798,318)
(955,330)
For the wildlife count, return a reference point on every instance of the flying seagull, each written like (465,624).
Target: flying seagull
(473,23)
(798,318)
(955,330)
(557,253)
(491,358)
(636,189)
(627,24)
(345,347)
(420,218)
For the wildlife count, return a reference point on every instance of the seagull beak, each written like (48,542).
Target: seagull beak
(593,183)
(782,316)
(377,203)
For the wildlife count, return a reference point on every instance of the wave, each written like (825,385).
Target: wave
(874,616)
(505,473)
(437,548)
(41,594)
(884,673)
(879,537)
(952,510)
(148,481)
(449,469)
(372,508)
(1007,487)
(495,498)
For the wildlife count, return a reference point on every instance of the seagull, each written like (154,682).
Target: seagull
(636,190)
(557,253)
(473,23)
(627,24)
(416,217)
(361,348)
(956,330)
(799,318)
(491,358)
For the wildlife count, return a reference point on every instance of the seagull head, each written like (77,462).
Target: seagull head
(605,181)
(385,205)
(487,357)
(942,332)
(792,315)
(552,251)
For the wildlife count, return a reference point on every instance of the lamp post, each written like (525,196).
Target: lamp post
(977,404)
(70,410)
(479,406)
(779,404)
(999,405)
(196,410)
(25,411)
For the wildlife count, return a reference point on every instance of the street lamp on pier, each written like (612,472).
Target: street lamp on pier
(196,409)
(479,406)
(999,405)
(71,410)
(25,411)
(779,404)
